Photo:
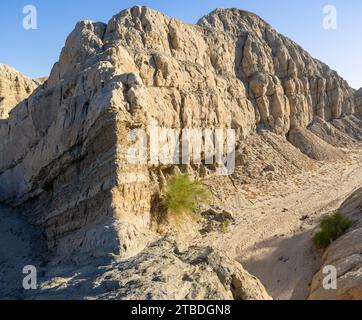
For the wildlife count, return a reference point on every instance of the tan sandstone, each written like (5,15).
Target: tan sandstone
(14,87)
(62,151)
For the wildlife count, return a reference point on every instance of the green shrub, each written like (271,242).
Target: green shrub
(224,226)
(182,195)
(332,228)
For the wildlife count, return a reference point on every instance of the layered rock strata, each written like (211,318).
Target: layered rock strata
(62,151)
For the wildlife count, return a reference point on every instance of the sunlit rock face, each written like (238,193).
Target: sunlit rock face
(14,87)
(62,150)
(342,260)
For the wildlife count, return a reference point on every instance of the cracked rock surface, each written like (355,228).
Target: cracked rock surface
(62,149)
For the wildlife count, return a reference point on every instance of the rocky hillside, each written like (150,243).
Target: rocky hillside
(14,87)
(62,151)
(345,255)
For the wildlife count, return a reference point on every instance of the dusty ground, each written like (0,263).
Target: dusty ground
(275,223)
(21,245)
(271,237)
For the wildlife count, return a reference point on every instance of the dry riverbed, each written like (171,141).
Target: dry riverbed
(273,231)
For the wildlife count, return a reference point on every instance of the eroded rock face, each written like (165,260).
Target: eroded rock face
(62,151)
(14,87)
(173,273)
(358,101)
(286,85)
(345,255)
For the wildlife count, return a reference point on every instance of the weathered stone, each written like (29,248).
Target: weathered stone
(63,150)
(232,70)
(194,273)
(14,87)
(345,255)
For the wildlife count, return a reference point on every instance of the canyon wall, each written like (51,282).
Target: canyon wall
(62,150)
(344,254)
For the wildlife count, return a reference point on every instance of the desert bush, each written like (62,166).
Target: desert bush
(331,228)
(183,195)
(224,226)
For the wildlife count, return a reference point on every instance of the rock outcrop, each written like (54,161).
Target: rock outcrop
(63,150)
(358,101)
(286,85)
(14,87)
(345,255)
(173,273)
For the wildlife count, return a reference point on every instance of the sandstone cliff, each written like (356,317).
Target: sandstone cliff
(14,87)
(62,151)
(345,255)
(232,70)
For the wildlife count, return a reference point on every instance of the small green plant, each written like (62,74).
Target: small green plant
(182,195)
(332,228)
(224,226)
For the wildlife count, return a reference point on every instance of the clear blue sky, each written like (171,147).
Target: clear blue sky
(35,51)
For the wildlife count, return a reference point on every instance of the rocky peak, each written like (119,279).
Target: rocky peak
(14,87)
(61,151)
(232,70)
(233,20)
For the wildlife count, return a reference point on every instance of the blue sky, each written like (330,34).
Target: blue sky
(35,51)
